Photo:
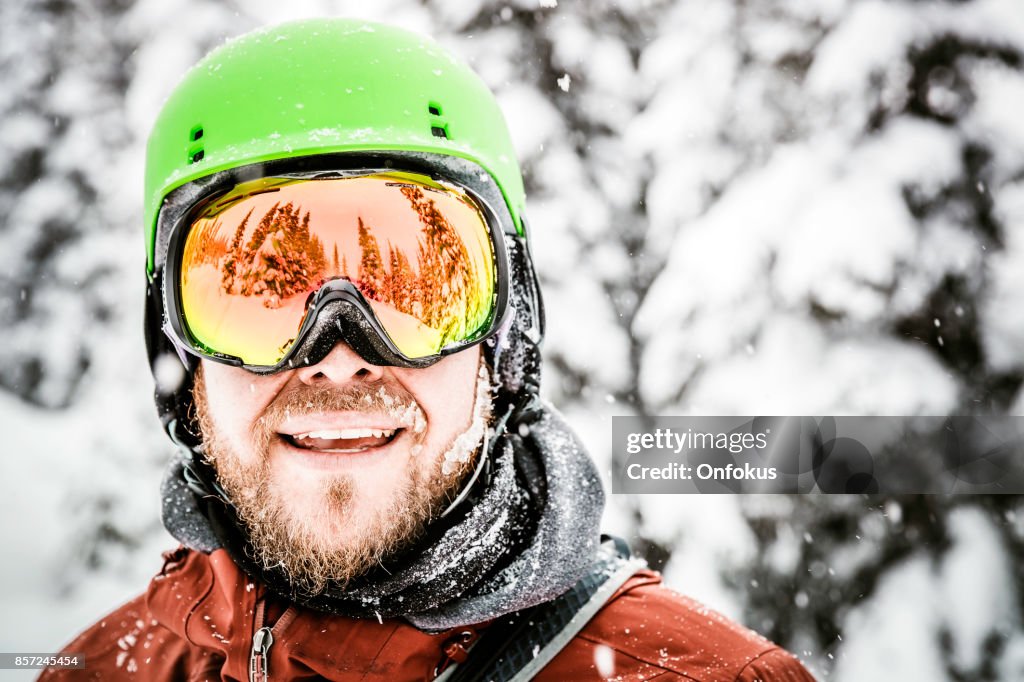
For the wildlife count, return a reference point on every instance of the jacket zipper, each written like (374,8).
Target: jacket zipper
(261,642)
(259,657)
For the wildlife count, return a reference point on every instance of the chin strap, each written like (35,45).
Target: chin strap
(483,466)
(199,477)
(523,411)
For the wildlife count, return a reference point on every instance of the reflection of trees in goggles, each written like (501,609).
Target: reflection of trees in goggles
(438,282)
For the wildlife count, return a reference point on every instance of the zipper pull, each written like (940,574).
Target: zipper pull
(258,659)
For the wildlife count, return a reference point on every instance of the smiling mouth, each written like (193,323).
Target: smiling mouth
(342,440)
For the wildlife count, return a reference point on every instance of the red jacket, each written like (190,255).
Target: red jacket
(197,619)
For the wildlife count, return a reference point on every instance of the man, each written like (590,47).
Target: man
(369,486)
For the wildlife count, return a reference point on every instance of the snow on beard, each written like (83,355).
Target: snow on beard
(296,543)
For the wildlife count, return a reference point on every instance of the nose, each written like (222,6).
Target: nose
(342,365)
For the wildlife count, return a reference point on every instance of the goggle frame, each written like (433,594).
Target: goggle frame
(380,350)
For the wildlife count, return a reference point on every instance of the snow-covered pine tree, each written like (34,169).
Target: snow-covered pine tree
(371,266)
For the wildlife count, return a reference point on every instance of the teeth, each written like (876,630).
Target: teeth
(346,433)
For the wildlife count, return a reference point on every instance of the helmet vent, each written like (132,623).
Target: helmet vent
(437,128)
(195,147)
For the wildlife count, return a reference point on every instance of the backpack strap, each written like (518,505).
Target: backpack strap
(516,647)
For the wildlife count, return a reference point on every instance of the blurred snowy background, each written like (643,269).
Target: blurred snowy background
(772,207)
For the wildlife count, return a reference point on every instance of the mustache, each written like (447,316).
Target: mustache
(370,398)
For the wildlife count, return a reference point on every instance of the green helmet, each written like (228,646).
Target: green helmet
(324,86)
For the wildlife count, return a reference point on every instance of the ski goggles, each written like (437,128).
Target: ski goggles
(422,260)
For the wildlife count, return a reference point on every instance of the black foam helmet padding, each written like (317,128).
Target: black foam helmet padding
(513,353)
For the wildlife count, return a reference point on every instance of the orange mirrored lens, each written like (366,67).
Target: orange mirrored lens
(419,252)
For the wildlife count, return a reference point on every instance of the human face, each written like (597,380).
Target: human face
(334,466)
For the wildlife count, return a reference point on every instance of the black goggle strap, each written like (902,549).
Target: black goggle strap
(521,258)
(171,401)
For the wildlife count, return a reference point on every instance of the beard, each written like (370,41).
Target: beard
(310,538)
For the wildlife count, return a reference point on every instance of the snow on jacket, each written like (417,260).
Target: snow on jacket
(197,619)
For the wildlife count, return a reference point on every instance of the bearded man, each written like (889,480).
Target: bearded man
(368,485)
